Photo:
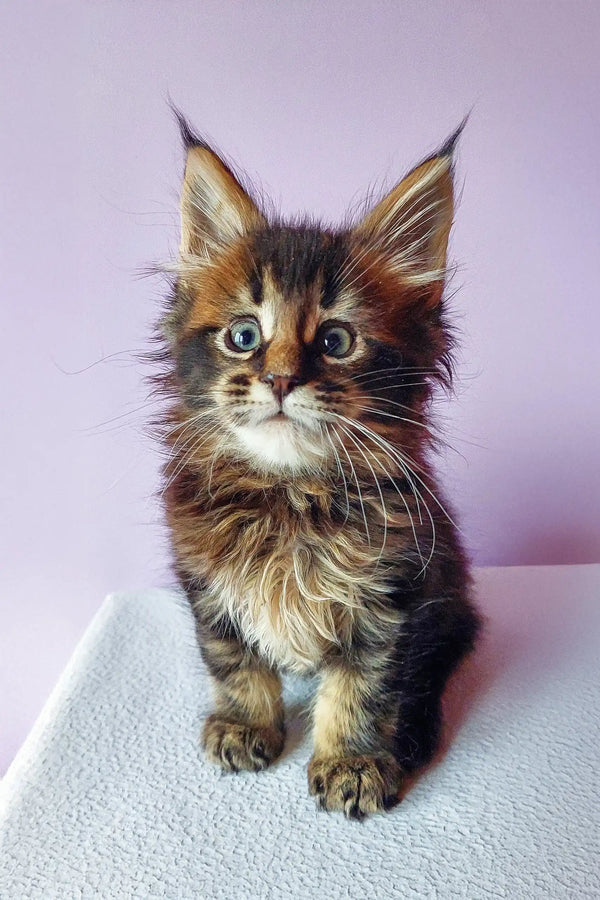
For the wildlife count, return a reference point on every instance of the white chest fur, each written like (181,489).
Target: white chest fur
(295,600)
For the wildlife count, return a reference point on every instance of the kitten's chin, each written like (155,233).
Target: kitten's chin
(280,445)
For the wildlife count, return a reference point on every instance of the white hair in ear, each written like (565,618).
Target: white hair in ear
(215,208)
(411,225)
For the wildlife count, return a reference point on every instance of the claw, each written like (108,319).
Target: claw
(355,785)
(229,760)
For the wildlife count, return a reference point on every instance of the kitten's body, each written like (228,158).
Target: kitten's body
(307,527)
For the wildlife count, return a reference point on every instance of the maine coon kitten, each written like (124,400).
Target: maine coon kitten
(307,526)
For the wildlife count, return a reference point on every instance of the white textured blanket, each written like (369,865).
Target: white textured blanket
(110,796)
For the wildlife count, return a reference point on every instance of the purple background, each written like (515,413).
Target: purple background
(317,101)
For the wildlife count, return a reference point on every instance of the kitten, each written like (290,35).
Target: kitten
(306,523)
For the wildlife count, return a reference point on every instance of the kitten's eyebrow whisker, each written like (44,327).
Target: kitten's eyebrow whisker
(408,220)
(348,285)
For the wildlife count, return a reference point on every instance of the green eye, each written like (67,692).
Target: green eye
(244,335)
(336,341)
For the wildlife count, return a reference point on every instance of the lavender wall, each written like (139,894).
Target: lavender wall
(319,100)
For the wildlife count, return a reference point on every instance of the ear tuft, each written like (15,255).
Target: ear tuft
(411,225)
(189,136)
(448,147)
(215,209)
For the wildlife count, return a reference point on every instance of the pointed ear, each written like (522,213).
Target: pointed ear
(215,209)
(412,223)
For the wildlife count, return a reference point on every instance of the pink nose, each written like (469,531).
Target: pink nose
(282,385)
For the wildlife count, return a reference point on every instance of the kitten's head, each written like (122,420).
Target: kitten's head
(293,343)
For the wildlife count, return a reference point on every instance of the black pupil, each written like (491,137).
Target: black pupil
(332,341)
(244,338)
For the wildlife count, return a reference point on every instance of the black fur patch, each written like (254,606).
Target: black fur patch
(392,376)
(256,284)
(198,366)
(384,357)
(330,387)
(297,254)
(436,637)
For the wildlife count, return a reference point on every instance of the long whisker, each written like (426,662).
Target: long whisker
(341,471)
(418,496)
(396,369)
(400,369)
(392,455)
(99,425)
(187,451)
(380,412)
(360,498)
(381,382)
(383,507)
(398,385)
(383,400)
(188,433)
(402,458)
(187,423)
(355,424)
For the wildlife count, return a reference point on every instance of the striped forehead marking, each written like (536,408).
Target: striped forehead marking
(270,305)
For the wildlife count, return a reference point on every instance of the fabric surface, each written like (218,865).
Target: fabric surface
(110,796)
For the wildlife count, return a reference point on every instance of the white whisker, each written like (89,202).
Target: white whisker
(341,471)
(380,412)
(360,498)
(383,508)
(357,425)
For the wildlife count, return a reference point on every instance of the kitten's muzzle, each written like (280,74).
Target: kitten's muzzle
(282,385)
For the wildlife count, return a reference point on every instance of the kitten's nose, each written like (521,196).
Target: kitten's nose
(282,385)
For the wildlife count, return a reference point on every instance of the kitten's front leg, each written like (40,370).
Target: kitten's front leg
(371,727)
(353,769)
(246,731)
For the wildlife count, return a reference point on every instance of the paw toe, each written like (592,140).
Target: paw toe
(356,786)
(236,746)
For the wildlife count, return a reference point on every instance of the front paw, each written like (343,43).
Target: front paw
(235,746)
(356,785)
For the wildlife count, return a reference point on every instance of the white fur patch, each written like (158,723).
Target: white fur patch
(271,301)
(282,445)
(266,316)
(292,443)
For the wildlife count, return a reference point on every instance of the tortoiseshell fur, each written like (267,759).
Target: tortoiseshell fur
(307,526)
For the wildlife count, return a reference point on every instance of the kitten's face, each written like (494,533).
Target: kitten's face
(290,341)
